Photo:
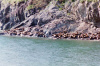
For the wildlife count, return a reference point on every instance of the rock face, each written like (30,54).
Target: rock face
(50,13)
(10,16)
(82,17)
(86,11)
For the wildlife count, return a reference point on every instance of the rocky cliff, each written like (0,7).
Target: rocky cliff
(45,18)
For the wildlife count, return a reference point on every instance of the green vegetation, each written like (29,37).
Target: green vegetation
(62,3)
(60,9)
(32,3)
(88,0)
(65,1)
(12,1)
(30,7)
(92,0)
(68,13)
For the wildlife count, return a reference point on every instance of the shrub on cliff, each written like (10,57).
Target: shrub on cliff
(89,0)
(63,1)
(12,1)
(39,4)
(29,7)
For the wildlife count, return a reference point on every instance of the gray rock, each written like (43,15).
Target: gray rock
(50,13)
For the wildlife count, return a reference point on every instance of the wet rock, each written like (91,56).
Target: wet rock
(40,34)
(1,33)
(13,34)
(65,35)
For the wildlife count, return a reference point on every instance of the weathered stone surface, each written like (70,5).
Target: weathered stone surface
(82,17)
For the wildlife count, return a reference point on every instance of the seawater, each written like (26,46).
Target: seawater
(17,51)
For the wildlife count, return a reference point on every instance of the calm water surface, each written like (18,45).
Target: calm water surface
(15,51)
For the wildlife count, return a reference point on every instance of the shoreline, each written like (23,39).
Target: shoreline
(52,38)
(54,20)
(21,32)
